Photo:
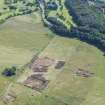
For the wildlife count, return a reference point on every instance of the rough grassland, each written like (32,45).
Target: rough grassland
(65,88)
(24,36)
(20,39)
(1,4)
(72,89)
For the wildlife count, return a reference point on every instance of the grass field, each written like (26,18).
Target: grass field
(61,14)
(6,11)
(1,4)
(65,88)
(22,37)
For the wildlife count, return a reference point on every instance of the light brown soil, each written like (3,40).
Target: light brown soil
(8,98)
(42,64)
(37,82)
(83,73)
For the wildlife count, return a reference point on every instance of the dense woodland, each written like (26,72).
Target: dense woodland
(90,20)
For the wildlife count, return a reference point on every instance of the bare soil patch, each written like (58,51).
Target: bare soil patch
(10,97)
(37,82)
(39,66)
(83,73)
(42,64)
(59,64)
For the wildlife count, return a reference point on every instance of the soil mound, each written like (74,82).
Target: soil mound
(83,73)
(37,82)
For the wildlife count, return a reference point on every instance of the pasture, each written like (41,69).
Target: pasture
(80,81)
(20,39)
(65,87)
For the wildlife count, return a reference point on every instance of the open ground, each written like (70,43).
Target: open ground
(69,72)
(65,87)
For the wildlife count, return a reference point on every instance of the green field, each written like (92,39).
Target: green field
(23,37)
(1,2)
(20,39)
(10,8)
(71,89)
(65,88)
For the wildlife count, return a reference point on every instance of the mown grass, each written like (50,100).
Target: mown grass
(21,38)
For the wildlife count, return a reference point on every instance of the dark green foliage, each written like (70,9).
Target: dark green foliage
(90,21)
(9,71)
(22,8)
(57,27)
(17,7)
(52,6)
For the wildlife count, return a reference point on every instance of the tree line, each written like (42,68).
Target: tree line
(90,22)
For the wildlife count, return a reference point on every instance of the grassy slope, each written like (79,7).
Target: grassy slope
(66,88)
(7,12)
(20,39)
(1,2)
(23,37)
